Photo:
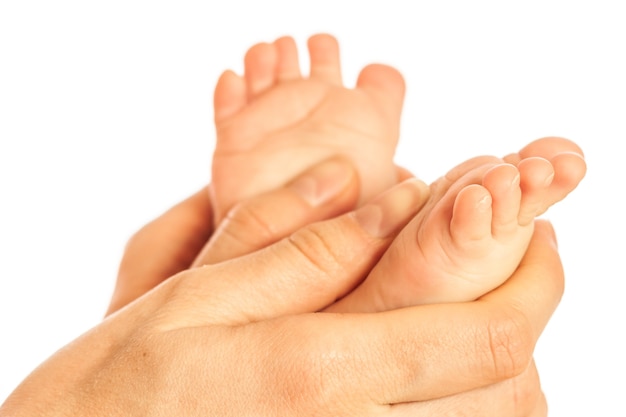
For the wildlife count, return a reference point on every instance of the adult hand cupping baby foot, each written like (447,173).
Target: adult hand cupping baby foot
(238,338)
(177,240)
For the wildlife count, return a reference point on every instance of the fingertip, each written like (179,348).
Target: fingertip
(325,181)
(403,173)
(392,210)
(545,229)
(423,189)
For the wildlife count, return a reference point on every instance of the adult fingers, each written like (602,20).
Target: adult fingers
(303,273)
(162,248)
(431,351)
(324,191)
(541,263)
(516,397)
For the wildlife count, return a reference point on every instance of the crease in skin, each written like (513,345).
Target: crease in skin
(301,123)
(304,118)
(227,124)
(354,130)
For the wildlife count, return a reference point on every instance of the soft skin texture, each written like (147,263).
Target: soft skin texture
(177,240)
(272,122)
(249,318)
(473,230)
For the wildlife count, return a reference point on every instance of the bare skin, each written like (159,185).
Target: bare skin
(475,227)
(273,123)
(161,356)
(473,231)
(520,395)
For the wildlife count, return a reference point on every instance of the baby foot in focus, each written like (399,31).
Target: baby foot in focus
(474,230)
(273,123)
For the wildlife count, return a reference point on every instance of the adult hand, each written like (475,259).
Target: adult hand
(179,238)
(237,338)
(271,221)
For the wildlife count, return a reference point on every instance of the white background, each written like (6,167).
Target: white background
(106,120)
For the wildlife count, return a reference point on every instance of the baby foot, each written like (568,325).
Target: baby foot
(273,123)
(472,233)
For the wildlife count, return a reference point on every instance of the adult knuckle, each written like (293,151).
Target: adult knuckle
(245,220)
(509,345)
(314,245)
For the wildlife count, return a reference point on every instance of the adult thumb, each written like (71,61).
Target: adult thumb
(302,273)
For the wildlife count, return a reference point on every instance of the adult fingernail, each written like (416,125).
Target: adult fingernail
(392,210)
(324,181)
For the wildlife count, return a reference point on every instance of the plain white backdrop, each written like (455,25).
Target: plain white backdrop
(106,121)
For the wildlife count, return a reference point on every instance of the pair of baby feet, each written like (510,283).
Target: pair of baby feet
(471,234)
